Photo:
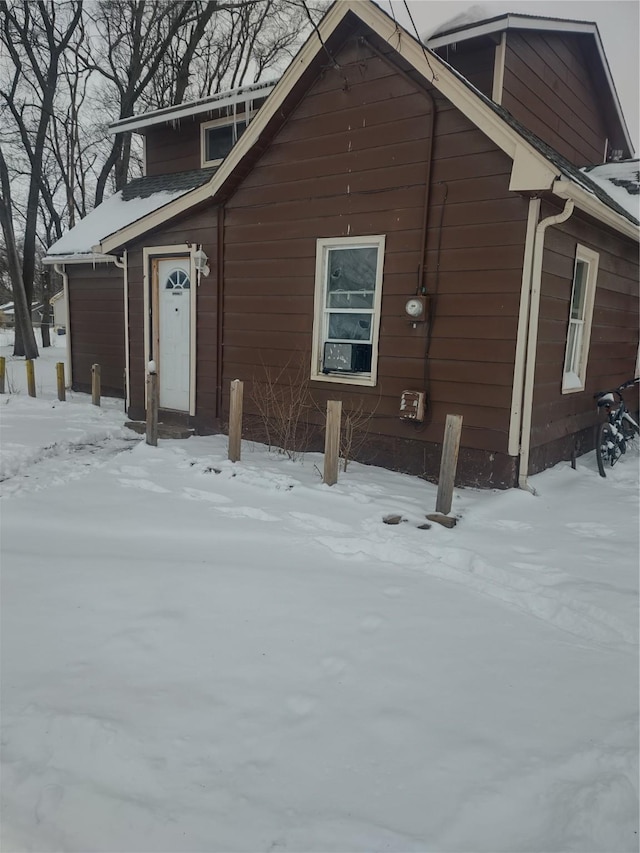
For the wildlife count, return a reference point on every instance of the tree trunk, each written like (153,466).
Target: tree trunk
(45,326)
(25,340)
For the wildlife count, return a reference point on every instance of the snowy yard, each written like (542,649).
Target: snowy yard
(201,656)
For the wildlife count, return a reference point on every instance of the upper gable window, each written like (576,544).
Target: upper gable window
(580,313)
(218,137)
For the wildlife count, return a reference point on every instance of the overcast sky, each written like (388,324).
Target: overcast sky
(618,22)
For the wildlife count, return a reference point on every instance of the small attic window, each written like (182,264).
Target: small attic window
(218,138)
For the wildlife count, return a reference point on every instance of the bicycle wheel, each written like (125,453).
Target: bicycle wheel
(604,439)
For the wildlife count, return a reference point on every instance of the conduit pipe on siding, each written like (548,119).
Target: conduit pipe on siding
(121,263)
(421,288)
(532,338)
(61,270)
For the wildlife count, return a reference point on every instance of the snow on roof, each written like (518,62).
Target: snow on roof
(110,216)
(229,98)
(621,181)
(472,15)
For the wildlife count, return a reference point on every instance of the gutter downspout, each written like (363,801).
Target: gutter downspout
(61,270)
(122,264)
(532,340)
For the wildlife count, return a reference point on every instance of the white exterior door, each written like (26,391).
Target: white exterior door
(174,332)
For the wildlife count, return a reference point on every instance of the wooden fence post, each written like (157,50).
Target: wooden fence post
(3,372)
(235,420)
(95,384)
(152,408)
(450,448)
(332,442)
(60,381)
(31,378)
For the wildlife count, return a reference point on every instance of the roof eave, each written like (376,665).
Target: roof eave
(590,204)
(174,113)
(155,218)
(79,258)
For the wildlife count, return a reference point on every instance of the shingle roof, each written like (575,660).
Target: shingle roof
(177,182)
(565,167)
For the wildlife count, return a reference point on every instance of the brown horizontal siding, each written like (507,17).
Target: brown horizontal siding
(549,87)
(474,60)
(342,166)
(96,321)
(614,332)
(172,149)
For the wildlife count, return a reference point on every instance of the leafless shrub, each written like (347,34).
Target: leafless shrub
(354,430)
(283,402)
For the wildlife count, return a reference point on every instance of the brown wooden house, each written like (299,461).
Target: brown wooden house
(455,222)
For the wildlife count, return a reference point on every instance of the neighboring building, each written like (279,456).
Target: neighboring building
(8,315)
(59,306)
(383,224)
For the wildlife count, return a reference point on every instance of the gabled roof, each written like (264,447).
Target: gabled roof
(453,33)
(136,201)
(536,166)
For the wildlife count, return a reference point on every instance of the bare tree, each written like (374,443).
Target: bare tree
(67,69)
(34,37)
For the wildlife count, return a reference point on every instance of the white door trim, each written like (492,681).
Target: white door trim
(150,300)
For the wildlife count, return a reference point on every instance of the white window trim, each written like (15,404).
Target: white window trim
(322,245)
(575,382)
(225,121)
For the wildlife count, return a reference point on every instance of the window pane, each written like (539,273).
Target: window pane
(569,366)
(219,142)
(351,277)
(350,327)
(579,290)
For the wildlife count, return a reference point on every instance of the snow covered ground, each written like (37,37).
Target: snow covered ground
(201,656)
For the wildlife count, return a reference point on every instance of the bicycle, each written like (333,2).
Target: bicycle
(619,428)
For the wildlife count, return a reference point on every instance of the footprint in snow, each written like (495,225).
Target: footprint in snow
(590,530)
(248,512)
(308,521)
(507,524)
(132,471)
(145,485)
(200,495)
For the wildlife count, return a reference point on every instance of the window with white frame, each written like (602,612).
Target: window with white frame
(580,314)
(218,137)
(347,309)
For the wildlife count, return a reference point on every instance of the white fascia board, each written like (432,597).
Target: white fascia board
(168,114)
(591,204)
(93,258)
(510,22)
